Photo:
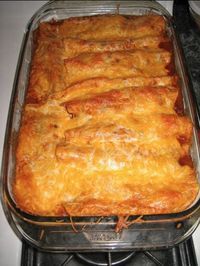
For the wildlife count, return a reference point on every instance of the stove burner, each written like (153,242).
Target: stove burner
(106,258)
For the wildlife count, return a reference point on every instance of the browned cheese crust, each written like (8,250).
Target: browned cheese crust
(103,130)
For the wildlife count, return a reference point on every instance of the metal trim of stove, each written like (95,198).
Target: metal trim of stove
(180,255)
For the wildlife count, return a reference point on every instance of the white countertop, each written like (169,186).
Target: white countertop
(14,16)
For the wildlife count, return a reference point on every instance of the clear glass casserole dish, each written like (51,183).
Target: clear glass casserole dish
(93,233)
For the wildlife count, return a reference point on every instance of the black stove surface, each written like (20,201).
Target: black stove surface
(181,255)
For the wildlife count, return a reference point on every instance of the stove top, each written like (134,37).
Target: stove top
(181,255)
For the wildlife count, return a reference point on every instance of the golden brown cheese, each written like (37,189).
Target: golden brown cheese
(106,27)
(103,131)
(136,100)
(44,79)
(58,41)
(98,85)
(74,47)
(131,127)
(118,64)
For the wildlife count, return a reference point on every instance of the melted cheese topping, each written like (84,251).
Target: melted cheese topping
(106,27)
(100,133)
(135,100)
(74,47)
(117,64)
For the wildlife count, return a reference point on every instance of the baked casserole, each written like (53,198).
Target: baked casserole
(103,129)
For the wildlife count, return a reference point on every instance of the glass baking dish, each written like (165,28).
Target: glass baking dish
(93,233)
